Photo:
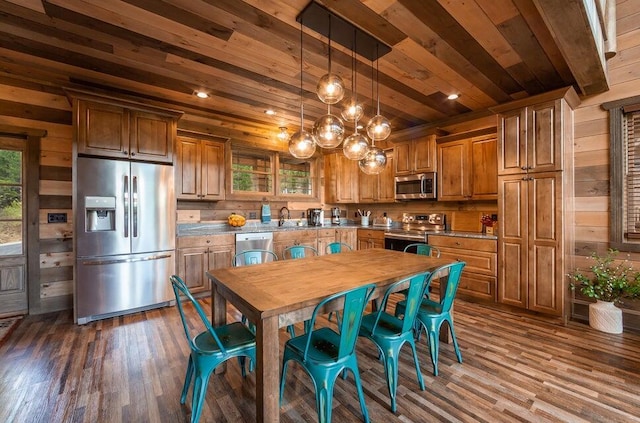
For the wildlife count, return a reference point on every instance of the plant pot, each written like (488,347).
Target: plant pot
(605,317)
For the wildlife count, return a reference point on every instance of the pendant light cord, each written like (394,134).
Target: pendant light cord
(301,91)
(377,79)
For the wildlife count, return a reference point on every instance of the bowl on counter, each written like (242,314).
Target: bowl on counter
(236,220)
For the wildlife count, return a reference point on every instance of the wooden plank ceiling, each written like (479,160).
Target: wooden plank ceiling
(246,55)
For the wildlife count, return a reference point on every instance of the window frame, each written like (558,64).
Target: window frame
(617,160)
(274,194)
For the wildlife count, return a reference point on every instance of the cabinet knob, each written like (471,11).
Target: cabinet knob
(208,241)
(133,154)
(125,152)
(523,167)
(457,243)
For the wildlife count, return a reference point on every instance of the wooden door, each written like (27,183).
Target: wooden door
(544,137)
(484,164)
(212,170)
(513,241)
(13,224)
(454,171)
(151,137)
(512,142)
(102,129)
(545,263)
(193,263)
(188,171)
(424,154)
(404,161)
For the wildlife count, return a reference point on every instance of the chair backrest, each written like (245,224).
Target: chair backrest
(180,288)
(418,286)
(355,301)
(299,251)
(249,257)
(422,249)
(338,247)
(453,280)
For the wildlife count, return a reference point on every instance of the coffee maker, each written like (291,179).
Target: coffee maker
(335,216)
(314,217)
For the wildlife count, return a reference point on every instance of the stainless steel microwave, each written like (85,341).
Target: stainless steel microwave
(416,187)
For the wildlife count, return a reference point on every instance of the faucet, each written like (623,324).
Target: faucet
(283,216)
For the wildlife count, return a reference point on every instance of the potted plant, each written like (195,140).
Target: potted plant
(610,282)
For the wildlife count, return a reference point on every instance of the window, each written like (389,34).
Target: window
(263,173)
(11,204)
(252,171)
(624,121)
(295,176)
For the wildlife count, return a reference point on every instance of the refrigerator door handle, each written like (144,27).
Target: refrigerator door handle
(135,206)
(125,197)
(128,260)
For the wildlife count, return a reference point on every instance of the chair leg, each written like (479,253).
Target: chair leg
(199,391)
(187,381)
(455,341)
(417,364)
(324,396)
(390,362)
(433,331)
(283,375)
(363,406)
(292,331)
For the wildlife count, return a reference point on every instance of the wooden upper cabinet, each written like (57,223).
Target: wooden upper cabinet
(531,139)
(415,156)
(199,169)
(341,179)
(378,188)
(108,128)
(467,169)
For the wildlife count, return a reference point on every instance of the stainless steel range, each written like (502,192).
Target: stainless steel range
(415,228)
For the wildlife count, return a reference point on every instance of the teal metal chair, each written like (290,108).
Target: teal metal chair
(299,251)
(431,314)
(249,257)
(296,252)
(422,249)
(335,248)
(209,348)
(325,353)
(338,247)
(390,332)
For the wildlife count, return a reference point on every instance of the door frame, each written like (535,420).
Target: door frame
(32,137)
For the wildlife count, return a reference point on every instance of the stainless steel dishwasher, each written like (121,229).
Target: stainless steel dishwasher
(254,241)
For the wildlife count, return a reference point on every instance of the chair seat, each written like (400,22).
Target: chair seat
(232,336)
(427,306)
(324,345)
(388,325)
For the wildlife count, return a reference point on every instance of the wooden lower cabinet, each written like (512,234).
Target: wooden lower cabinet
(325,237)
(197,254)
(370,238)
(284,239)
(479,276)
(348,236)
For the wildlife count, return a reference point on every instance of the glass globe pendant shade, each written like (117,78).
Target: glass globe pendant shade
(302,145)
(352,111)
(330,88)
(328,131)
(378,128)
(374,161)
(355,146)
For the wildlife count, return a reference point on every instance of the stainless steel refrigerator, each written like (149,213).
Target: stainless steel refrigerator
(125,237)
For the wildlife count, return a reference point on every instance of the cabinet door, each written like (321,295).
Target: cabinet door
(220,256)
(424,153)
(212,170)
(404,162)
(484,182)
(348,236)
(386,182)
(188,169)
(341,176)
(368,188)
(454,171)
(513,240)
(544,137)
(192,266)
(512,144)
(545,264)
(102,129)
(152,137)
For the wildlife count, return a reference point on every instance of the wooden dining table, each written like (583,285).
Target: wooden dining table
(276,294)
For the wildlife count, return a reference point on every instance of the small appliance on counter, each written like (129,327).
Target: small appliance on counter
(315,217)
(265,213)
(383,221)
(335,216)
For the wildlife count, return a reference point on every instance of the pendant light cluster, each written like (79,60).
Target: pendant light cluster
(328,131)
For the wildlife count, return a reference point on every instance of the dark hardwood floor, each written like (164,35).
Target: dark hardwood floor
(131,369)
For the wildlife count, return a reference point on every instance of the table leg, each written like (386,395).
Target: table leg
(218,317)
(267,371)
(444,329)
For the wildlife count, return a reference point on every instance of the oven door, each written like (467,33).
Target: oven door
(398,242)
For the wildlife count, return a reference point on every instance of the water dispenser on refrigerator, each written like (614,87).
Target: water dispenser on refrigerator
(100,213)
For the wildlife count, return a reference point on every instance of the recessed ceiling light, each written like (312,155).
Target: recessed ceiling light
(270,112)
(453,96)
(202,94)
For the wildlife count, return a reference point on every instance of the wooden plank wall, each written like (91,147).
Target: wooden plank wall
(592,152)
(42,107)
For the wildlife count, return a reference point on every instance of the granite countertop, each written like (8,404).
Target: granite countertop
(199,229)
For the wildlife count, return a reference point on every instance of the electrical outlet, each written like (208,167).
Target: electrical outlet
(56,217)
(252,215)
